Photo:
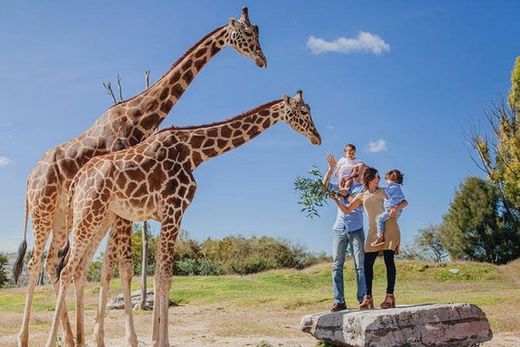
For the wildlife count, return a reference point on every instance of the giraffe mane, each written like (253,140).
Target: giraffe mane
(191,49)
(241,115)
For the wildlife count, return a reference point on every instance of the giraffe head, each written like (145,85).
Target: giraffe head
(297,114)
(243,36)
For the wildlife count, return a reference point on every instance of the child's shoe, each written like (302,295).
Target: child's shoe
(379,241)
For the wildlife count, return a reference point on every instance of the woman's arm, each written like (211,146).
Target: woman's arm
(355,203)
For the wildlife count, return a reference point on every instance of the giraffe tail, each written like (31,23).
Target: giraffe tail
(18,264)
(62,259)
(63,253)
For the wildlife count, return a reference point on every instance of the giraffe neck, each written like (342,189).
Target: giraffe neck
(148,109)
(213,140)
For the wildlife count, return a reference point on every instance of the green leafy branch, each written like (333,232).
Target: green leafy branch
(312,193)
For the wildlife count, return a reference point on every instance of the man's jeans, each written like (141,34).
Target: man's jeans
(355,242)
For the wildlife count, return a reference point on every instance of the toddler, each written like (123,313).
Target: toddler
(394,196)
(345,166)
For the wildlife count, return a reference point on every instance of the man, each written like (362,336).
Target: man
(348,234)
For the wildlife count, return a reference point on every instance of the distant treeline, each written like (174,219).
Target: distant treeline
(229,255)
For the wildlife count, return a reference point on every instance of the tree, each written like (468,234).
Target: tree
(429,241)
(474,227)
(500,155)
(3,273)
(144,268)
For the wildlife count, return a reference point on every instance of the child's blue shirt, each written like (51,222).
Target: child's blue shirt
(394,195)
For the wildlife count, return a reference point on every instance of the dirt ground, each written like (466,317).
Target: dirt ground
(204,326)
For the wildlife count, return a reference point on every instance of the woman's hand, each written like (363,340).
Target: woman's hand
(393,212)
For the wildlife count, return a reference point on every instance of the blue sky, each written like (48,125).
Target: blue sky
(413,85)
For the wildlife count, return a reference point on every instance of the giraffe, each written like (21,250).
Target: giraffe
(123,125)
(154,180)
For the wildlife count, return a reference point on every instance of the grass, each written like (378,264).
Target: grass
(495,289)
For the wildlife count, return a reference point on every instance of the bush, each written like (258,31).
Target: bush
(94,270)
(196,267)
(236,254)
(3,274)
(230,255)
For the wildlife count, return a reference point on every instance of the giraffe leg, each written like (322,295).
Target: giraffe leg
(173,210)
(76,253)
(155,313)
(123,230)
(59,237)
(109,260)
(88,232)
(79,283)
(41,233)
(169,231)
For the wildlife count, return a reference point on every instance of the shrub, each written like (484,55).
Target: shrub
(94,270)
(3,274)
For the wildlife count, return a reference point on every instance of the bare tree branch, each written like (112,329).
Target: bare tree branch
(108,87)
(119,87)
(147,79)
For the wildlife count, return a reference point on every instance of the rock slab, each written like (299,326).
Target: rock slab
(117,302)
(415,325)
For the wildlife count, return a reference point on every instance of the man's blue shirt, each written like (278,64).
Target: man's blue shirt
(354,220)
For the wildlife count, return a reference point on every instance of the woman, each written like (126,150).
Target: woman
(372,201)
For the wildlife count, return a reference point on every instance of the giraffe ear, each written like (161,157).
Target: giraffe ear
(287,99)
(233,22)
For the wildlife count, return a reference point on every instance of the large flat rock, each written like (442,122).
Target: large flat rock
(417,325)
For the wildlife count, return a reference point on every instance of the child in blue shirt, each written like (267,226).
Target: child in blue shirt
(394,196)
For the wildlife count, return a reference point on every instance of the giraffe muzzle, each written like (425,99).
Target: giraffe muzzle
(261,61)
(315,139)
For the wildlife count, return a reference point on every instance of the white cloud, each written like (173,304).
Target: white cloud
(363,43)
(330,127)
(377,146)
(4,161)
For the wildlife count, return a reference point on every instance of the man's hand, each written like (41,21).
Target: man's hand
(331,161)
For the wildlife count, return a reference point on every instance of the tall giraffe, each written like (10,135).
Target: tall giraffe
(154,180)
(121,126)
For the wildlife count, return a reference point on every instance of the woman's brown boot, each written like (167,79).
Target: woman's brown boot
(367,303)
(389,301)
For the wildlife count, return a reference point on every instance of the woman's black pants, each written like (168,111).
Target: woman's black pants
(370,258)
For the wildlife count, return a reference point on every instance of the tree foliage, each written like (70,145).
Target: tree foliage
(3,274)
(312,194)
(474,227)
(229,255)
(429,242)
(500,153)
(499,156)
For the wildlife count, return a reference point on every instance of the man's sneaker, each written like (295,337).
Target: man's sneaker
(338,306)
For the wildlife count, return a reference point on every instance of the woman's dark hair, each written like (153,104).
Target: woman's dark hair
(349,145)
(369,174)
(395,176)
